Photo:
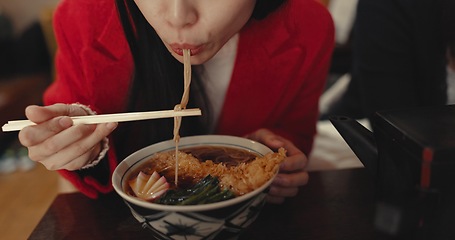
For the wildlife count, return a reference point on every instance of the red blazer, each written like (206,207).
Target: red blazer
(279,72)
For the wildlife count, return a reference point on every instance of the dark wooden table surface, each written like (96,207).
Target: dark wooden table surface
(335,204)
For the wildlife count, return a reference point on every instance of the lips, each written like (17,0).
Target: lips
(178,48)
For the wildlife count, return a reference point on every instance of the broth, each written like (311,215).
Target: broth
(236,170)
(229,156)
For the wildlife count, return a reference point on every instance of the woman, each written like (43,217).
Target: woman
(260,67)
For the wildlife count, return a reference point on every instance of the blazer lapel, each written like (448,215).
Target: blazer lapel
(111,41)
(272,58)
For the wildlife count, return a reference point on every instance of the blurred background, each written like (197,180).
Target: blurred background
(27,47)
(23,13)
(26,52)
(23,28)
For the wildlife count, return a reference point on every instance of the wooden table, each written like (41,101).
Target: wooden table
(335,204)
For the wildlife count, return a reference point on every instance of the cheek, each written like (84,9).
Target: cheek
(233,18)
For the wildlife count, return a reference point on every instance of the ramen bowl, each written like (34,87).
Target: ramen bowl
(220,220)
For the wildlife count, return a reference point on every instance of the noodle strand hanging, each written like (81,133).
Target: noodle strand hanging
(182,105)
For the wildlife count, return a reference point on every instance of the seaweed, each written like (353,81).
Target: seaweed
(207,190)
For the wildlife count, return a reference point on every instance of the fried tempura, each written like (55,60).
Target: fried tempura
(240,179)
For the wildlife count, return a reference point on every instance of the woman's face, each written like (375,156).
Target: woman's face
(203,26)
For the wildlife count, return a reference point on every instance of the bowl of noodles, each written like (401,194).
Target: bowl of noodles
(205,187)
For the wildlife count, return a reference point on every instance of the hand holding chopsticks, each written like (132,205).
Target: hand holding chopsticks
(105,118)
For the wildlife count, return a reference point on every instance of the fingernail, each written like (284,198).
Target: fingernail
(65,122)
(111,126)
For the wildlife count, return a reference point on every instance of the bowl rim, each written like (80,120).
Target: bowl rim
(133,161)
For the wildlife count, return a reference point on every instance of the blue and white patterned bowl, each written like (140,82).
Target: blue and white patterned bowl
(221,220)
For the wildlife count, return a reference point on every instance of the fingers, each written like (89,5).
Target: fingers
(285,186)
(292,170)
(56,143)
(40,114)
(73,148)
(294,163)
(53,144)
(83,160)
(268,138)
(34,135)
(291,179)
(274,141)
(57,162)
(73,160)
(50,119)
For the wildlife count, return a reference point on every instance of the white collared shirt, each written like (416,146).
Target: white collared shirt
(216,75)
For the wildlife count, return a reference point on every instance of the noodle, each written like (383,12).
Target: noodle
(239,175)
(182,105)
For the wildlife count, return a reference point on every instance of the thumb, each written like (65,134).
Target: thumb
(40,114)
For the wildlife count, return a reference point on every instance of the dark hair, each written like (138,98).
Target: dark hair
(264,7)
(158,82)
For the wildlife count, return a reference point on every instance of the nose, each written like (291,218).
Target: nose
(181,13)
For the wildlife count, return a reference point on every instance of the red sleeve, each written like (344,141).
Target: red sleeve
(95,180)
(92,55)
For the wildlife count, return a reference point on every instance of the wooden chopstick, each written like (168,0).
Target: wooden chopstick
(105,118)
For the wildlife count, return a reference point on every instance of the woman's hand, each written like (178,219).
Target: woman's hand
(56,143)
(292,173)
